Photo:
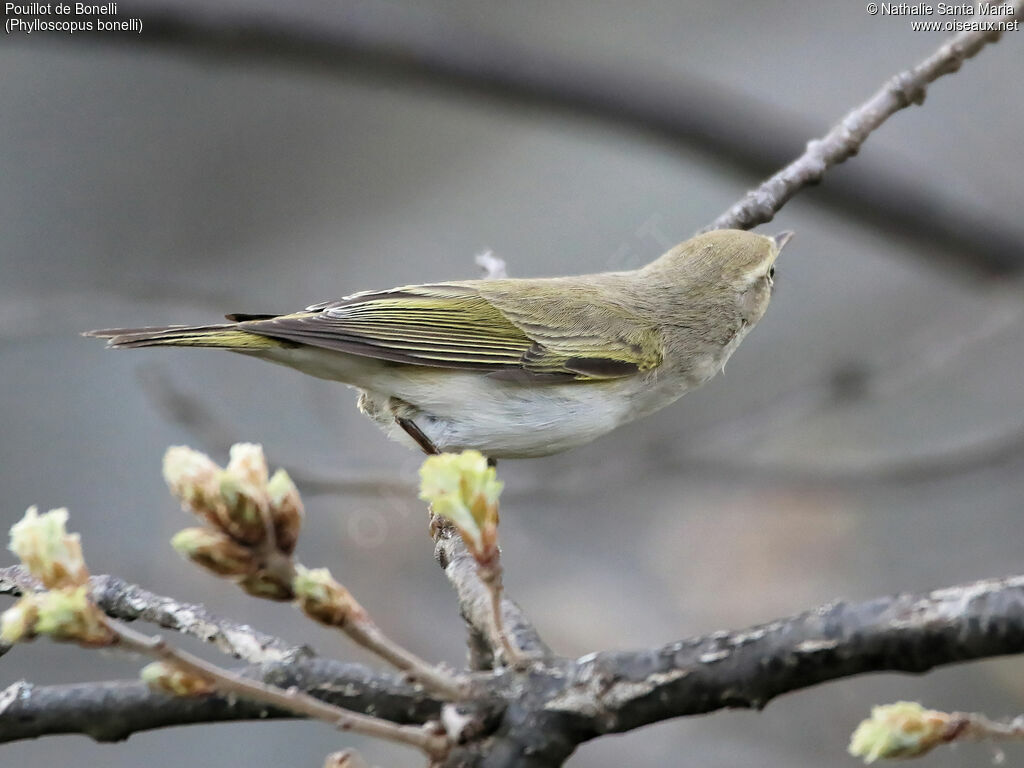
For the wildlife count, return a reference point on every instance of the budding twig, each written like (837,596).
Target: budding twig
(463,491)
(65,611)
(906,729)
(253,526)
(326,601)
(490,575)
(425,738)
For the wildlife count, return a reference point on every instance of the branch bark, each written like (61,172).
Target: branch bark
(112,711)
(912,633)
(614,692)
(845,139)
(427,738)
(475,603)
(537,718)
(128,602)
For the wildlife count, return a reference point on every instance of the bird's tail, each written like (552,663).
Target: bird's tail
(222,336)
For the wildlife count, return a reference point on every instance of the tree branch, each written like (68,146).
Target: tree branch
(413,45)
(128,602)
(845,139)
(619,691)
(562,703)
(112,711)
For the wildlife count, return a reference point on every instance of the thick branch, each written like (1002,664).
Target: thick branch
(414,45)
(905,633)
(844,140)
(128,602)
(554,707)
(113,711)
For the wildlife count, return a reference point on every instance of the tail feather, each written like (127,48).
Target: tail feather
(222,336)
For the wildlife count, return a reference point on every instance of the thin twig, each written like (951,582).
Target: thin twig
(475,599)
(490,575)
(129,602)
(368,635)
(425,738)
(845,139)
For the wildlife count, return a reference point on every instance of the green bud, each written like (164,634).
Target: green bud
(286,510)
(463,489)
(69,614)
(323,599)
(243,513)
(18,623)
(50,553)
(902,729)
(267,585)
(214,551)
(193,478)
(164,677)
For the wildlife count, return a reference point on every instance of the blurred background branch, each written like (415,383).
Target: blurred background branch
(416,47)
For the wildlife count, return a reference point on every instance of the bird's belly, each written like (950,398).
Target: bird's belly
(457,410)
(512,420)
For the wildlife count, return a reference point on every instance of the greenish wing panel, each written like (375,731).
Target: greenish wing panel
(409,325)
(577,337)
(453,326)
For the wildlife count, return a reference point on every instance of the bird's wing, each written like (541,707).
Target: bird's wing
(461,325)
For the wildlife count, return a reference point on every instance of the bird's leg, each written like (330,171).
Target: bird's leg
(416,434)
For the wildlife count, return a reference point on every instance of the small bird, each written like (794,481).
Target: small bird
(516,368)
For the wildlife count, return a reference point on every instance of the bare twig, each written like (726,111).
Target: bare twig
(845,139)
(412,45)
(369,635)
(129,602)
(425,738)
(490,575)
(475,601)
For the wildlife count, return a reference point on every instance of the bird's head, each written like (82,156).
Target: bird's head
(727,265)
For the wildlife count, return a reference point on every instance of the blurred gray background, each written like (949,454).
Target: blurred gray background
(865,440)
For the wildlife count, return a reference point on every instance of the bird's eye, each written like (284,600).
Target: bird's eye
(771,275)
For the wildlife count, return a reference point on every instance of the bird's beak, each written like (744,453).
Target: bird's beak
(782,238)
